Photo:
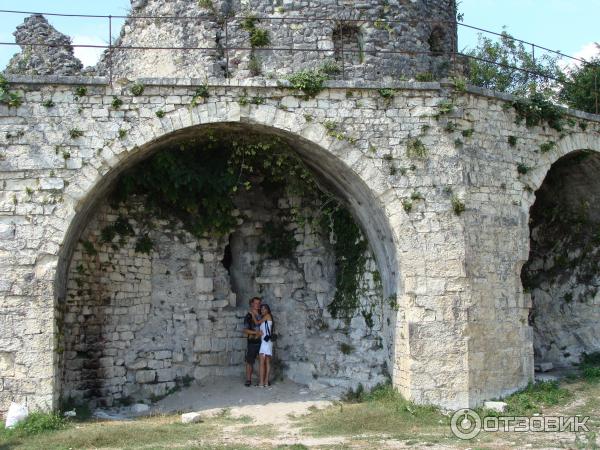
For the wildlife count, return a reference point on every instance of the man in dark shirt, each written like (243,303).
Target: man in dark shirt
(252,332)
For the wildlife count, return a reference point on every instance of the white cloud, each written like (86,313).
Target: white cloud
(89,56)
(587,52)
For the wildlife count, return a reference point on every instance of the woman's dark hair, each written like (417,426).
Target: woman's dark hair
(264,305)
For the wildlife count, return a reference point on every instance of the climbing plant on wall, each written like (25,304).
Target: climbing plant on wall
(196,182)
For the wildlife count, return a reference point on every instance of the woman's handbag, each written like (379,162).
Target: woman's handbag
(270,336)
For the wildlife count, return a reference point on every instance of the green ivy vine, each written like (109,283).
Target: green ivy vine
(196,182)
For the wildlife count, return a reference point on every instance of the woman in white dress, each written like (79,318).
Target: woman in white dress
(266,346)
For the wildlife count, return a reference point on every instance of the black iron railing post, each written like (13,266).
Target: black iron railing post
(596,69)
(110,59)
(342,49)
(226,47)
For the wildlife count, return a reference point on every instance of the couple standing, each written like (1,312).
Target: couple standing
(258,327)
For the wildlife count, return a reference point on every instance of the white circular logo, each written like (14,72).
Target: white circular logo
(465,424)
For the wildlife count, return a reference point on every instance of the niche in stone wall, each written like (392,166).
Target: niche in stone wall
(436,41)
(348,43)
(160,280)
(563,270)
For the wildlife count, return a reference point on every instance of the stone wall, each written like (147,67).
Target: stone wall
(460,334)
(138,325)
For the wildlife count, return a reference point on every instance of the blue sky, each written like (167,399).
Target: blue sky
(565,25)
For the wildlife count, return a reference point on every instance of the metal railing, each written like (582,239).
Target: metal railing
(335,23)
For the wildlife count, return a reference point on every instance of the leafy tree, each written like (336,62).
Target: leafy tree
(582,89)
(507,65)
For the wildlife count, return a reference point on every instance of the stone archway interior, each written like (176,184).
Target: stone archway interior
(563,270)
(151,306)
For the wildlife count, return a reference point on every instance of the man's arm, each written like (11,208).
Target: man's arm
(249,333)
(248,329)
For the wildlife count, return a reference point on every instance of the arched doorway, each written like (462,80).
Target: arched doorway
(562,273)
(148,302)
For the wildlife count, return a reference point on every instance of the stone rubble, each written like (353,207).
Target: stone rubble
(54,59)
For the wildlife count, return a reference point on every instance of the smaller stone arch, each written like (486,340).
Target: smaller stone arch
(561,270)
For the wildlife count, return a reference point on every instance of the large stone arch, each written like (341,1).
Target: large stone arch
(355,179)
(558,280)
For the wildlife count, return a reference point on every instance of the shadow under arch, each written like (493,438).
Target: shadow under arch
(564,255)
(332,174)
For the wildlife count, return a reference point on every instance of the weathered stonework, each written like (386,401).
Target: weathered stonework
(373,31)
(562,272)
(114,324)
(137,325)
(461,333)
(37,59)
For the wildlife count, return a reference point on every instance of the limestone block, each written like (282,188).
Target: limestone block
(139,408)
(51,183)
(163,354)
(7,364)
(495,406)
(202,344)
(165,374)
(145,376)
(193,417)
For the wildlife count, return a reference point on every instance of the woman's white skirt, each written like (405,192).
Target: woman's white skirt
(266,348)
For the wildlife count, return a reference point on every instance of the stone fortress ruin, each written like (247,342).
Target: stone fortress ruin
(400,228)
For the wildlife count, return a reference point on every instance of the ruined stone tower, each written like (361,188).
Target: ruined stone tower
(365,36)
(96,305)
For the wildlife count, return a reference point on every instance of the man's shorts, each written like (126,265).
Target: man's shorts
(252,352)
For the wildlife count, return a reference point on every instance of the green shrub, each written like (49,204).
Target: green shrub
(80,91)
(311,82)
(36,423)
(75,133)
(255,65)
(200,94)
(458,206)
(12,99)
(346,349)
(388,94)
(536,110)
(144,245)
(416,149)
(259,37)
(137,89)
(116,102)
(590,366)
(547,146)
(425,77)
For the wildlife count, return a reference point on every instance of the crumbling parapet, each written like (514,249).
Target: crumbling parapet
(44,50)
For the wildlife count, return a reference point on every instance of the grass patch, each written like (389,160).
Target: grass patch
(533,399)
(383,410)
(153,432)
(36,423)
(590,367)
